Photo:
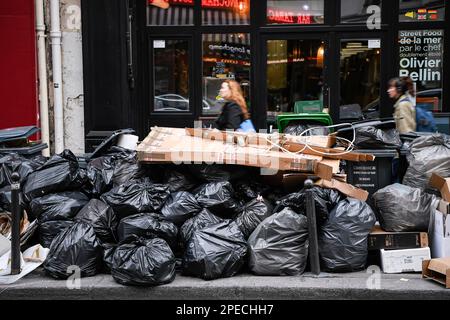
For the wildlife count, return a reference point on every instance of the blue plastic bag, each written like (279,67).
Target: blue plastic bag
(425,120)
(247,126)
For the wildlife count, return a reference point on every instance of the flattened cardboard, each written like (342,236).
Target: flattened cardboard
(441,183)
(345,188)
(441,235)
(438,270)
(173,145)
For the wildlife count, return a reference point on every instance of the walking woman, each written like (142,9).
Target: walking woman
(234,112)
(402,91)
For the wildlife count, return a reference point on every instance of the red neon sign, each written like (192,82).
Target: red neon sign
(288,17)
(240,5)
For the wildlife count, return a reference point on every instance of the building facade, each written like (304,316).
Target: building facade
(140,63)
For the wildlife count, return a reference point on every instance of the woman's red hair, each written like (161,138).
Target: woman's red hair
(238,97)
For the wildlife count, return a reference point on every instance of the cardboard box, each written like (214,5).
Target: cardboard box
(441,183)
(437,270)
(345,188)
(440,246)
(171,145)
(406,260)
(380,239)
(444,207)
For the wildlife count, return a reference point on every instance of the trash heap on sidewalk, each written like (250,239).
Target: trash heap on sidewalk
(212,204)
(412,217)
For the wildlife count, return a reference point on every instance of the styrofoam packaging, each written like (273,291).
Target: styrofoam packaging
(128,141)
(405,260)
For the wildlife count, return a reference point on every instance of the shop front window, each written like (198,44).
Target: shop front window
(422,59)
(225,12)
(295,12)
(225,56)
(359,78)
(421,10)
(359,11)
(170,12)
(171,75)
(294,74)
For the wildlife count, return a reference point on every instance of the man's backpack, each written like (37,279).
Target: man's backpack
(424,119)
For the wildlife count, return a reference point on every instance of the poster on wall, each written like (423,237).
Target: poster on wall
(421,57)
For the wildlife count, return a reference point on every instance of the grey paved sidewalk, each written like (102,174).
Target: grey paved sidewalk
(326,286)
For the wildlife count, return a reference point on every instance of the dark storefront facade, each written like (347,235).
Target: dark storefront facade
(161,62)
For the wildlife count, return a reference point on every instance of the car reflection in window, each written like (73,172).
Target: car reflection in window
(175,102)
(428,99)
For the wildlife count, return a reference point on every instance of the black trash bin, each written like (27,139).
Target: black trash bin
(16,140)
(372,175)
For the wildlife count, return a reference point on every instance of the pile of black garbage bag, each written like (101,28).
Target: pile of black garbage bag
(142,223)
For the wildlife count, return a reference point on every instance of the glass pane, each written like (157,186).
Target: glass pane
(225,12)
(359,77)
(421,58)
(225,56)
(171,75)
(170,12)
(358,11)
(422,10)
(295,12)
(294,74)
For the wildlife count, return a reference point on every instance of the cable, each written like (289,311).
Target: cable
(349,148)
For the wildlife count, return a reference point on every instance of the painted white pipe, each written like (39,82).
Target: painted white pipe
(55,36)
(42,67)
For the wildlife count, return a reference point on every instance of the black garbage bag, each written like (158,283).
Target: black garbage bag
(108,253)
(370,137)
(253,214)
(179,207)
(325,200)
(60,173)
(76,246)
(428,155)
(296,129)
(6,200)
(343,238)
(144,262)
(116,167)
(51,229)
(217,251)
(58,206)
(279,245)
(402,208)
(218,198)
(102,218)
(210,173)
(148,225)
(249,190)
(219,172)
(179,180)
(15,163)
(204,219)
(136,196)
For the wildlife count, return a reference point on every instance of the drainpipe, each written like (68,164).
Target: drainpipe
(42,66)
(55,36)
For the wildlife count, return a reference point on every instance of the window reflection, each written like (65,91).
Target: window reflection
(359,77)
(171,75)
(225,56)
(294,73)
(295,12)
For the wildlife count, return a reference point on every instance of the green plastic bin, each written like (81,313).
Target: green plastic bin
(284,119)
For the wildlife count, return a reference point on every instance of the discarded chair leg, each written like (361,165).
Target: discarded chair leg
(15,228)
(312,229)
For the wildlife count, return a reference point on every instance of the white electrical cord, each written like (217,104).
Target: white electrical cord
(349,149)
